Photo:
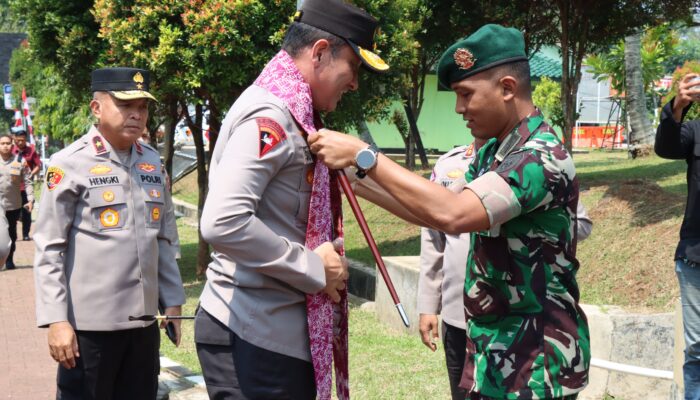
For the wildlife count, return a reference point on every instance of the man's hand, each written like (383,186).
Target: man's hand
(336,150)
(428,328)
(63,344)
(336,270)
(688,91)
(176,310)
(29,206)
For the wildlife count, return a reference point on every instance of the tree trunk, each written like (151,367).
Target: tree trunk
(640,130)
(169,138)
(415,135)
(203,257)
(365,134)
(410,152)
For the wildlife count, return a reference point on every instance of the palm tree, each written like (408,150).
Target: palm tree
(640,130)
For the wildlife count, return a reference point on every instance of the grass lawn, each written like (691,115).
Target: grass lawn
(636,206)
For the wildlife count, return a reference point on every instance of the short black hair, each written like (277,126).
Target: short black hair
(6,135)
(519,70)
(300,35)
(21,132)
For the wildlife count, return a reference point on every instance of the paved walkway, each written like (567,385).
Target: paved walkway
(27,372)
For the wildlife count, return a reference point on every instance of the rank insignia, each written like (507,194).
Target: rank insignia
(470,150)
(139,148)
(109,218)
(146,167)
(154,193)
(54,176)
(99,145)
(271,134)
(138,78)
(155,213)
(108,196)
(464,58)
(100,170)
(454,174)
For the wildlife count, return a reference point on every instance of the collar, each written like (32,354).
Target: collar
(282,78)
(100,146)
(520,133)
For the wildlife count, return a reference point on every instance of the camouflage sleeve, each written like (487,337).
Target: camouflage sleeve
(525,181)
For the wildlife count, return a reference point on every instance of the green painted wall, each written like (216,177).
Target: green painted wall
(440,127)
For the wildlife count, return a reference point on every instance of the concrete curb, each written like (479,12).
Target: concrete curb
(179,382)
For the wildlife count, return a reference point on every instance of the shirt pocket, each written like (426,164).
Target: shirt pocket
(108,207)
(154,205)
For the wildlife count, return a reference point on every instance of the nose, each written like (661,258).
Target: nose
(460,105)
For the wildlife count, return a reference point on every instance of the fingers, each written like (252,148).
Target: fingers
(178,332)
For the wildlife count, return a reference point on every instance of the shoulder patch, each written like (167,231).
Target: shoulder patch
(54,176)
(271,134)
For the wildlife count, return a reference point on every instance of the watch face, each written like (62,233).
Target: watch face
(365,159)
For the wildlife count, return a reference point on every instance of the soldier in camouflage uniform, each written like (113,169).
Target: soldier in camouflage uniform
(527,337)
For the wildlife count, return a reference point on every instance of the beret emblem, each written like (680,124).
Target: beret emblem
(464,58)
(138,78)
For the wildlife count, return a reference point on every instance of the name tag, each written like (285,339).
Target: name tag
(151,179)
(103,180)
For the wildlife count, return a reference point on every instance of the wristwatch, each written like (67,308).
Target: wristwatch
(365,160)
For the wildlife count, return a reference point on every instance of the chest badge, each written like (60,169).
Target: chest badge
(108,196)
(100,170)
(155,213)
(454,174)
(109,218)
(154,193)
(146,167)
(54,176)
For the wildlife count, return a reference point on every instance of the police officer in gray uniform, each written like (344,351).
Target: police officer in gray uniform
(13,172)
(104,249)
(251,331)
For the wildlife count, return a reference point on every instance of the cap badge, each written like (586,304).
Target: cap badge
(464,58)
(138,78)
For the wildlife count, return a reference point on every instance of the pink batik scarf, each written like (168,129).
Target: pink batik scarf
(328,322)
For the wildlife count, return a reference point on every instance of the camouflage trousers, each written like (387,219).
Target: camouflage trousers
(477,396)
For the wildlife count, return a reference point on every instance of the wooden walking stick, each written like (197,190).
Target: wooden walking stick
(345,184)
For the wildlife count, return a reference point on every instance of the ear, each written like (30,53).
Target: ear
(510,87)
(320,52)
(96,108)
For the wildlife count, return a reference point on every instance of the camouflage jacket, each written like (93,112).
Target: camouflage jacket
(527,337)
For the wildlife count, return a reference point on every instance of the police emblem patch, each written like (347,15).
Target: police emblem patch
(100,170)
(109,218)
(54,176)
(464,58)
(154,193)
(146,167)
(108,196)
(155,213)
(271,134)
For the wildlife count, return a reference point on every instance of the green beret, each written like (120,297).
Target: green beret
(488,47)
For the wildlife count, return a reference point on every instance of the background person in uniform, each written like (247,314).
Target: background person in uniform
(31,157)
(527,336)
(104,249)
(271,237)
(13,173)
(443,259)
(678,140)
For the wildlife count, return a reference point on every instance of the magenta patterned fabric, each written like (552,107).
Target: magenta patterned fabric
(328,322)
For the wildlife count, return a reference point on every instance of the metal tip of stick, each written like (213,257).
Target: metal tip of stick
(403,315)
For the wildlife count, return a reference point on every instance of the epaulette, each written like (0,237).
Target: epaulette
(453,152)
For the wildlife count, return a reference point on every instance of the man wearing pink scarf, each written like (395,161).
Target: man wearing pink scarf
(272,320)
